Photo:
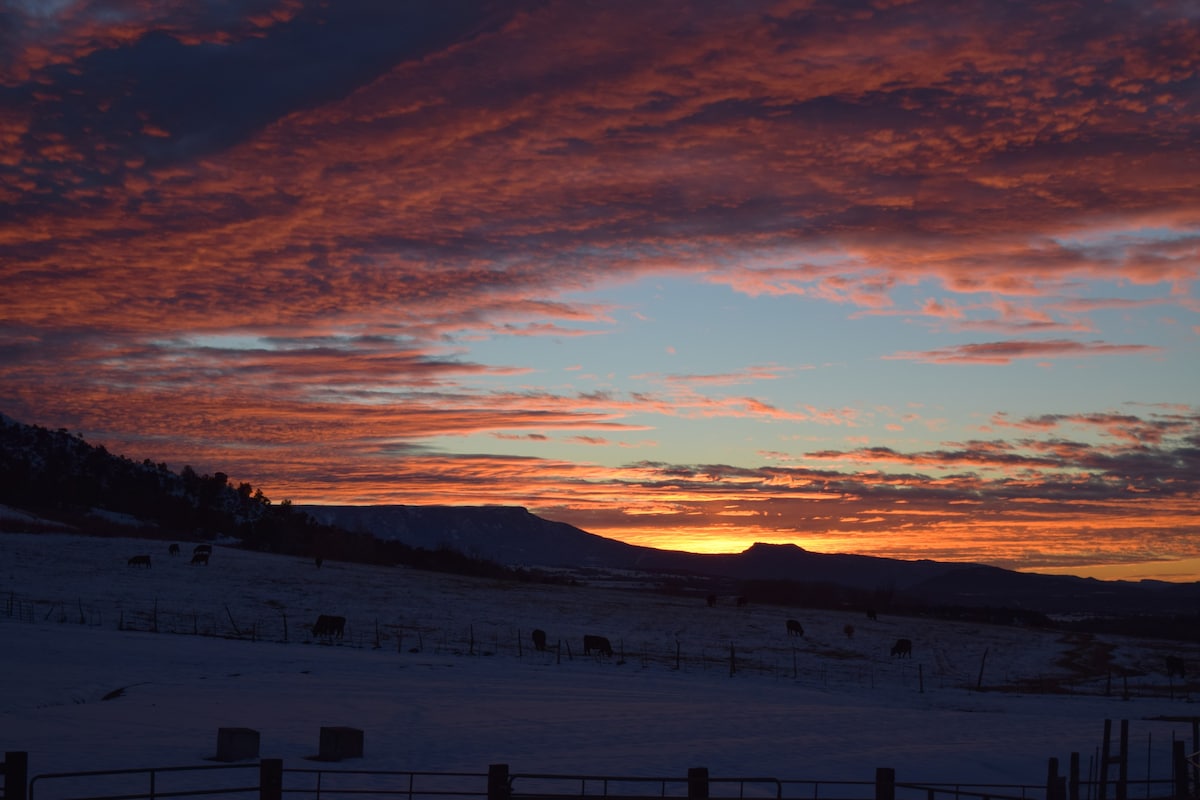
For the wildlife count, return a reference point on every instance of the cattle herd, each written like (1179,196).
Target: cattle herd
(329,626)
(200,555)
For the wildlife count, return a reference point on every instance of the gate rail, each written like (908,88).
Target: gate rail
(273,782)
(552,786)
(143,783)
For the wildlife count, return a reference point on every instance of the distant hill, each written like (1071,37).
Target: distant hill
(52,479)
(507,534)
(515,537)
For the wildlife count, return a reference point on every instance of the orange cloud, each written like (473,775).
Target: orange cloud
(284,276)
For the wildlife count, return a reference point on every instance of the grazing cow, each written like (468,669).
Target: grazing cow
(598,643)
(794,628)
(539,639)
(140,561)
(173,550)
(712,600)
(331,626)
(849,631)
(902,648)
(1175,666)
(741,601)
(199,558)
(871,614)
(202,548)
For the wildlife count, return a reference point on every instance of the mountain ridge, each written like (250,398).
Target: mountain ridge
(477,531)
(65,483)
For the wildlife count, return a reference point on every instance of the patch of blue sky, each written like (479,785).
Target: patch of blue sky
(42,9)
(227,341)
(1105,236)
(671,337)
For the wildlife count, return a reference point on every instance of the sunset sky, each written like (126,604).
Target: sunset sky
(908,279)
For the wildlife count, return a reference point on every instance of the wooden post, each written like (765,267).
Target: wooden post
(1073,778)
(1056,785)
(698,783)
(1123,764)
(732,660)
(1105,758)
(1179,768)
(16,774)
(982,661)
(270,779)
(1195,748)
(885,783)
(498,782)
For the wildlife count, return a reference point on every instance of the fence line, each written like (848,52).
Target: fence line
(268,779)
(781,661)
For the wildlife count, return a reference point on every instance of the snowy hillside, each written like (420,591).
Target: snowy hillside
(440,674)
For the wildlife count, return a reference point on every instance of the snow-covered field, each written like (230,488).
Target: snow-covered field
(439,673)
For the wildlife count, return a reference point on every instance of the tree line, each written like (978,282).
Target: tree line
(59,477)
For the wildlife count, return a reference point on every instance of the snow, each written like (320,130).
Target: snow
(439,674)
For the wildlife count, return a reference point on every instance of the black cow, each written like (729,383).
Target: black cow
(200,558)
(539,639)
(597,643)
(871,614)
(1175,666)
(173,550)
(318,561)
(794,628)
(331,626)
(902,648)
(140,561)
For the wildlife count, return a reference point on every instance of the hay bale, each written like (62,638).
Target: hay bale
(236,744)
(338,742)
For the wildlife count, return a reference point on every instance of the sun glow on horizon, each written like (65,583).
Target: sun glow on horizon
(681,295)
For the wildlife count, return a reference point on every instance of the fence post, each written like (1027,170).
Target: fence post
(885,783)
(1123,764)
(270,779)
(16,774)
(1105,760)
(498,782)
(698,783)
(1179,766)
(1056,785)
(1073,781)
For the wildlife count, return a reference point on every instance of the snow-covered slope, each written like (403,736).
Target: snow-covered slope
(439,673)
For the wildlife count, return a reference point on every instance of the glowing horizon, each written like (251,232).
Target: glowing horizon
(912,279)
